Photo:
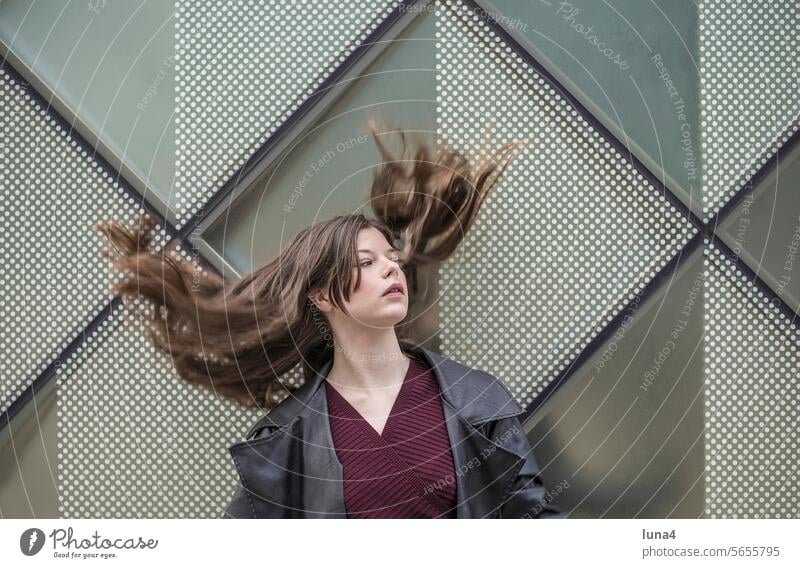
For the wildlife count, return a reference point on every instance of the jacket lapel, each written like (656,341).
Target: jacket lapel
(484,468)
(290,468)
(291,471)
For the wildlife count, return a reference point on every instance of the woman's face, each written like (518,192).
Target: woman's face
(369,305)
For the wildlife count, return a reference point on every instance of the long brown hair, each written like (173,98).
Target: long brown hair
(241,339)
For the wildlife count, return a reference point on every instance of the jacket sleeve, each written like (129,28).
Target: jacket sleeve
(527,497)
(240,506)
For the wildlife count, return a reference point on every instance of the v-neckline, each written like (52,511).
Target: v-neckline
(389,419)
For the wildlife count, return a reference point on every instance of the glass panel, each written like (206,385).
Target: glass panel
(327,171)
(634,65)
(111,64)
(764,229)
(624,437)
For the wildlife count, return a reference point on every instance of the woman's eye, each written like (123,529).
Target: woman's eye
(368,262)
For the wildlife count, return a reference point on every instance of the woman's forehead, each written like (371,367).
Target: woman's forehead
(373,239)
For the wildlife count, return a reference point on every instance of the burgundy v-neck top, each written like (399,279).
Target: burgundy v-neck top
(407,471)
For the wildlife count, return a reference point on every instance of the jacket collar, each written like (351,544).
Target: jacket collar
(476,395)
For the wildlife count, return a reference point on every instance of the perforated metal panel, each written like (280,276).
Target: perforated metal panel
(568,237)
(764,228)
(54,281)
(752,396)
(135,440)
(750,89)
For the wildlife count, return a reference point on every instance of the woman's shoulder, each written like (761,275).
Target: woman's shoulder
(474,388)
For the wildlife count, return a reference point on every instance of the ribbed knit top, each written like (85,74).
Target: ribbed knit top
(407,471)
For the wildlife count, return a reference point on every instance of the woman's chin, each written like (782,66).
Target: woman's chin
(390,317)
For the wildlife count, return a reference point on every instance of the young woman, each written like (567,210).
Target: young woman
(380,426)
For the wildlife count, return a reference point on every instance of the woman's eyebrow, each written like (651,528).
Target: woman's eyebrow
(391,249)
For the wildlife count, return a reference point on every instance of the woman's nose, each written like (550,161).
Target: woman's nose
(391,267)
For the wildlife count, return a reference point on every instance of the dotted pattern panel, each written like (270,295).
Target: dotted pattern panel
(241,73)
(752,399)
(570,234)
(135,440)
(750,89)
(54,281)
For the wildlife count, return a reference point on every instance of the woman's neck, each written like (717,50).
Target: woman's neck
(370,361)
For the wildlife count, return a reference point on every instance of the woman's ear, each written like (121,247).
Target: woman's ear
(320,301)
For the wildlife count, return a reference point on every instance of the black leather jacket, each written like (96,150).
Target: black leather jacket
(288,466)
